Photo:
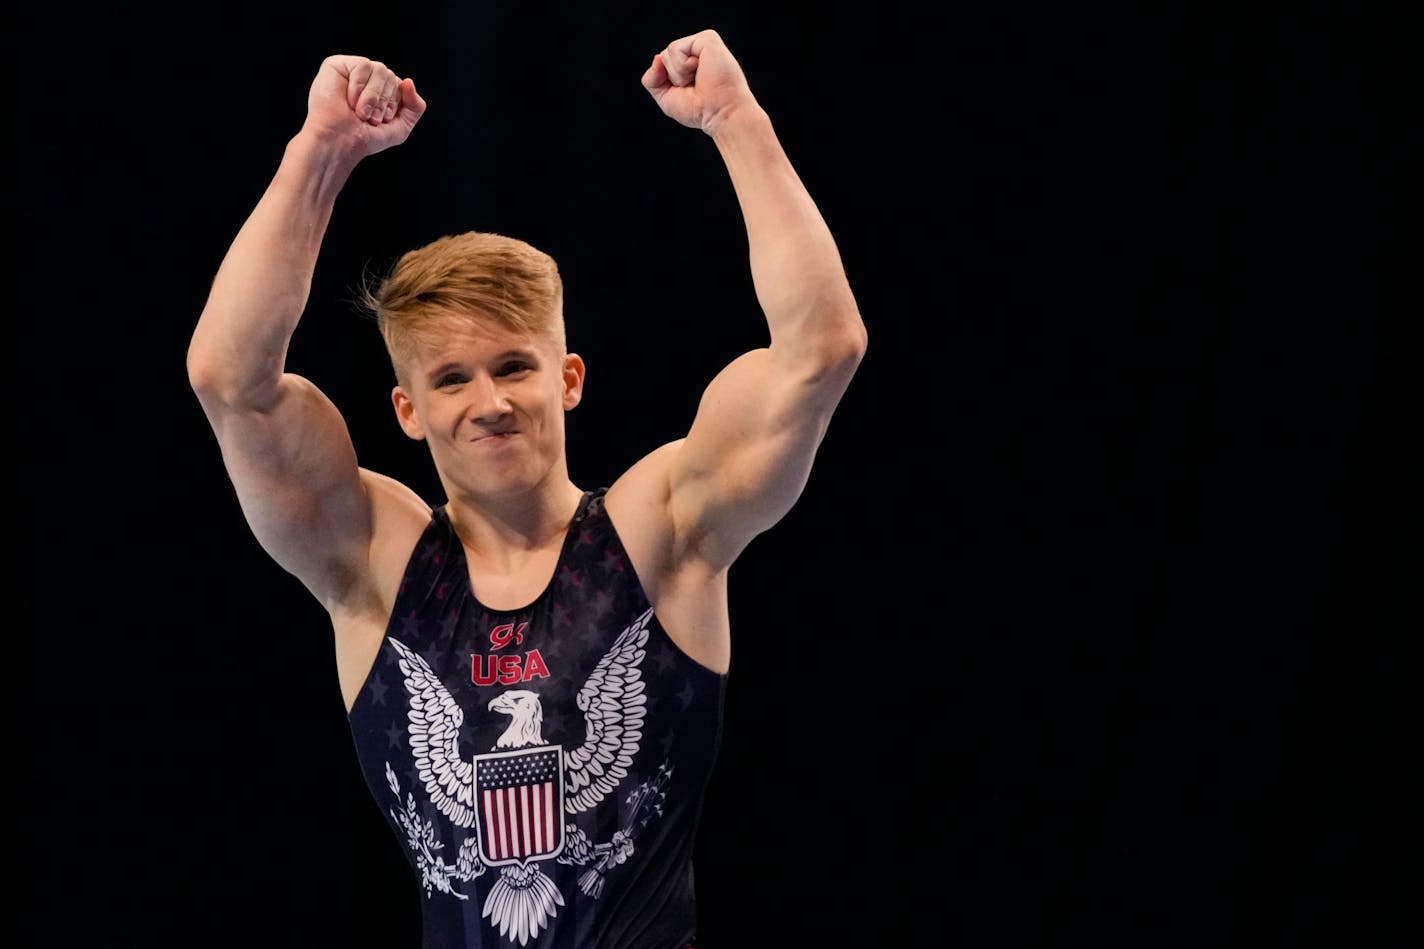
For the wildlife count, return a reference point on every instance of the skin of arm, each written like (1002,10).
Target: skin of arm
(284,444)
(748,453)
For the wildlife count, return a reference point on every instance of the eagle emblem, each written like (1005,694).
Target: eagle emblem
(518,797)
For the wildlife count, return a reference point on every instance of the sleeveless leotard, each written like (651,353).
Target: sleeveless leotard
(543,768)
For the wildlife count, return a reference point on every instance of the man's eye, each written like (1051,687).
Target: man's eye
(510,368)
(449,379)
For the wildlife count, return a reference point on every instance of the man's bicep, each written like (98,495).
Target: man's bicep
(295,473)
(749,452)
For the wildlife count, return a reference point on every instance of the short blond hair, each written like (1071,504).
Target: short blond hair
(470,276)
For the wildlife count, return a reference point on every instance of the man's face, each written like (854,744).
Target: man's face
(490,402)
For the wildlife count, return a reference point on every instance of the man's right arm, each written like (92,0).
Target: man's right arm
(285,445)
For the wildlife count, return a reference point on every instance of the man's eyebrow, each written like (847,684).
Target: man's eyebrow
(452,365)
(444,367)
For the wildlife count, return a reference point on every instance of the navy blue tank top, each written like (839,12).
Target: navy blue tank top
(543,768)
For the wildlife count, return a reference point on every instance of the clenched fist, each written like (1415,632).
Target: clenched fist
(360,104)
(696,81)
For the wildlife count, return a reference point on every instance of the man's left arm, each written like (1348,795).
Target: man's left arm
(749,451)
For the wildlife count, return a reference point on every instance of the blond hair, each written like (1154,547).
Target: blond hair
(471,276)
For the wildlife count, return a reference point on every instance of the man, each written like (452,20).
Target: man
(533,671)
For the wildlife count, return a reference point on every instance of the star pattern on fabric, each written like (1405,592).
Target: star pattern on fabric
(664,660)
(469,738)
(568,576)
(602,605)
(588,633)
(555,725)
(563,619)
(378,689)
(435,657)
(552,647)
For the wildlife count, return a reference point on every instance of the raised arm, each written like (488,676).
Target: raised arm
(748,453)
(284,444)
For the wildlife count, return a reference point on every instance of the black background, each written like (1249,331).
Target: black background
(1096,620)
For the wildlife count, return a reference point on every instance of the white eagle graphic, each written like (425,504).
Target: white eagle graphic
(524,899)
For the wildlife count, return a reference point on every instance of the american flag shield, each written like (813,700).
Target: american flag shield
(521,804)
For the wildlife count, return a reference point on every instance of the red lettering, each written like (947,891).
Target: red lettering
(500,636)
(534,667)
(507,670)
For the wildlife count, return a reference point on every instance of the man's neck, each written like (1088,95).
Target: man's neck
(505,532)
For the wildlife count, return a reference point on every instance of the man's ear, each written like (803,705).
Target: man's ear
(573,380)
(405,414)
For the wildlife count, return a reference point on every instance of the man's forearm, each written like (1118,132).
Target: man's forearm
(239,346)
(796,267)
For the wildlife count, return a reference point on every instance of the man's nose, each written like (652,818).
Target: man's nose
(488,398)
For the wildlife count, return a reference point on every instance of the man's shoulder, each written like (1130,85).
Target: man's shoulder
(399,516)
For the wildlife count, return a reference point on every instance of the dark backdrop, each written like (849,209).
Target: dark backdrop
(1095,621)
